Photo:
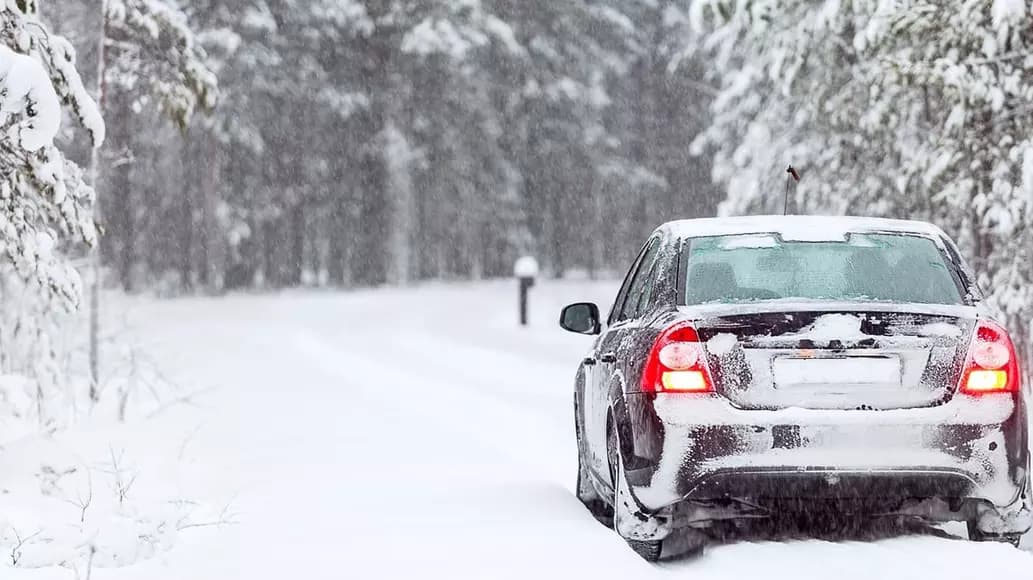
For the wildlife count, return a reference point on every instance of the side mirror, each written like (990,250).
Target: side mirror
(582,318)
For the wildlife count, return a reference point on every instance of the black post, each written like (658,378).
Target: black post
(525,286)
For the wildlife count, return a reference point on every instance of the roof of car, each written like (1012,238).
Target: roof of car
(796,228)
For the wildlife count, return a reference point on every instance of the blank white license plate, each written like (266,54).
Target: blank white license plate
(790,372)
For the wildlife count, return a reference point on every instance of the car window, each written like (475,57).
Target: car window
(629,278)
(645,298)
(894,268)
(641,285)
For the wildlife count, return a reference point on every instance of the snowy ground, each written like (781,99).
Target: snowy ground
(412,433)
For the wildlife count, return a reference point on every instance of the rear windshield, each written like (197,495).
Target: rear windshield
(864,267)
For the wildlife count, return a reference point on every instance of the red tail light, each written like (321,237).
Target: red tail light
(677,363)
(992,366)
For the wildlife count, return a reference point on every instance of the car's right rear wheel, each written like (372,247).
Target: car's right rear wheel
(976,535)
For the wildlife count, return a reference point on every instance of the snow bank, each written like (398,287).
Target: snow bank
(80,499)
(90,485)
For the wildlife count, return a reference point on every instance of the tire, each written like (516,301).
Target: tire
(976,535)
(649,550)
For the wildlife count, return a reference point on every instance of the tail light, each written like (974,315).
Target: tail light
(677,363)
(991,366)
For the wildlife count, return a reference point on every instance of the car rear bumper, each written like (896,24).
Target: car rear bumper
(932,496)
(867,486)
(968,449)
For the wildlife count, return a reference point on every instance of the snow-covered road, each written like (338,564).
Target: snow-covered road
(421,434)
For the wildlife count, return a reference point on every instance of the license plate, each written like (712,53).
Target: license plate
(859,371)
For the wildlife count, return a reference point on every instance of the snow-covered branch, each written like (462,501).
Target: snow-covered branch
(45,202)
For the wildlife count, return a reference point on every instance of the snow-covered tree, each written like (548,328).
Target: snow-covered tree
(153,63)
(44,202)
(906,108)
(965,70)
(155,57)
(374,141)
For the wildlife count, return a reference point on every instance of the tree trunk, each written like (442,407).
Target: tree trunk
(338,239)
(269,241)
(396,153)
(118,246)
(208,201)
(95,284)
(296,263)
(186,227)
(120,209)
(370,262)
(597,251)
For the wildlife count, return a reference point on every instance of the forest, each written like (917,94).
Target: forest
(265,144)
(342,143)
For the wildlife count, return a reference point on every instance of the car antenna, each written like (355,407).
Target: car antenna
(793,174)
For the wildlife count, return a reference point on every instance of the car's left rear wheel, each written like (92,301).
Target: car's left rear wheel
(649,551)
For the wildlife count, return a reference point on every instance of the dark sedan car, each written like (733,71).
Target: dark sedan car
(753,367)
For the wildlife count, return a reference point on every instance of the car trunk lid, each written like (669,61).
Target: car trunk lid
(854,357)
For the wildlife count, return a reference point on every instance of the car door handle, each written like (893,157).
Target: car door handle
(608,358)
(589,361)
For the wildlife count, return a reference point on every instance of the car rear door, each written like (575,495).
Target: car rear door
(621,318)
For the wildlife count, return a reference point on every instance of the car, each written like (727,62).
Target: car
(758,366)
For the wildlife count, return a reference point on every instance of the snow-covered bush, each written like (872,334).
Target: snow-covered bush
(44,373)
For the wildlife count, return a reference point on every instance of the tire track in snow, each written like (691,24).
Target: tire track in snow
(543,391)
(464,410)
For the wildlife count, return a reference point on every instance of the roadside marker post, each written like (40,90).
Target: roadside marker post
(526,271)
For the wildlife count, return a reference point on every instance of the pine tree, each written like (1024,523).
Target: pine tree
(154,62)
(46,206)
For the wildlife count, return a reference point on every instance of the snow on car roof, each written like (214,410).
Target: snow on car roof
(796,228)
